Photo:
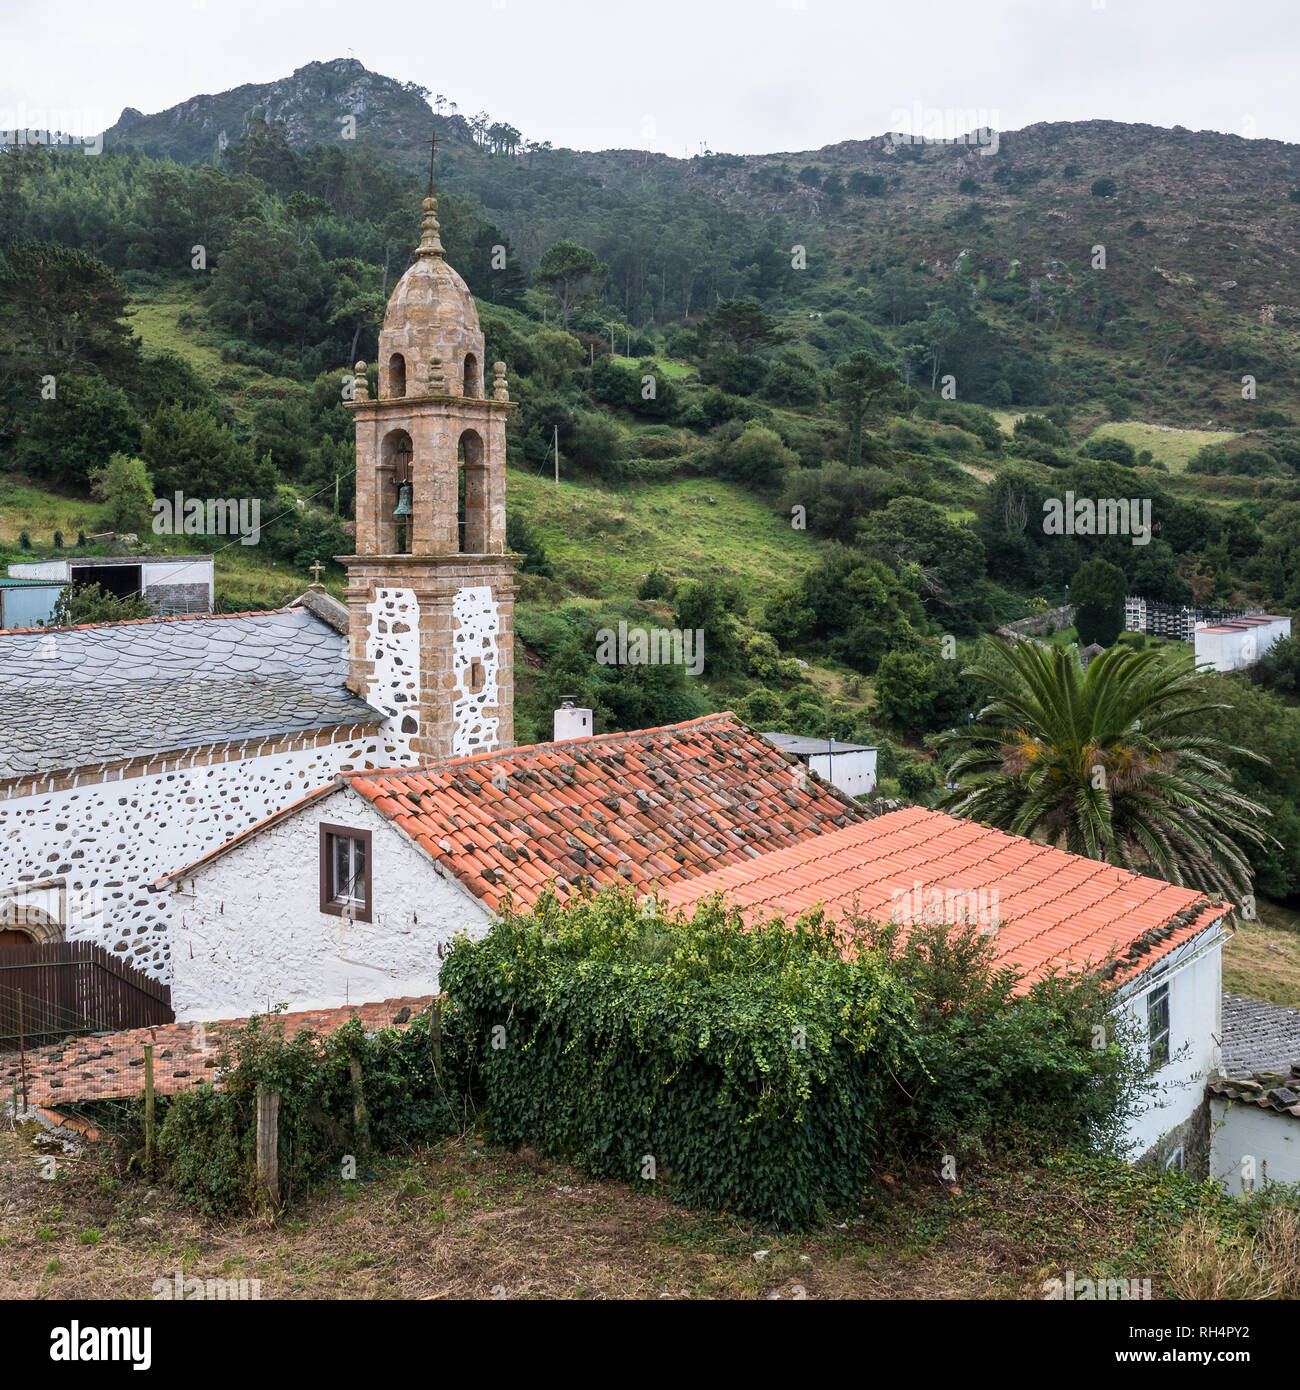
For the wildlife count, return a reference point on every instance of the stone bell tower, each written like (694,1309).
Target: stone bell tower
(431,587)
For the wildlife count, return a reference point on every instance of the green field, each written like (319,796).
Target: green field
(1172,447)
(604,542)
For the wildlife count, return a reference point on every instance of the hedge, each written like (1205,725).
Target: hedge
(744,1071)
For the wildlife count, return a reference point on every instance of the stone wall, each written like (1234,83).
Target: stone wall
(108,834)
(179,598)
(1036,626)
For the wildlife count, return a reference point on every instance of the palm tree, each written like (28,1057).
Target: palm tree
(1105,763)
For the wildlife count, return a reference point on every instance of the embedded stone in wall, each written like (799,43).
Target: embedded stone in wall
(476,624)
(393,646)
(105,842)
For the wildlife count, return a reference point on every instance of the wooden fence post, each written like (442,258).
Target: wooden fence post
(268,1147)
(150,1131)
(435,1032)
(360,1116)
(22,1048)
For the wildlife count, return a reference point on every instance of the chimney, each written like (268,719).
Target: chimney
(570,722)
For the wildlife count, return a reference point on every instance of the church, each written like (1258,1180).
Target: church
(129,749)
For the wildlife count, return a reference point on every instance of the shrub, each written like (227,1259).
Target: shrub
(410,1090)
(655,585)
(633,1038)
(751,1068)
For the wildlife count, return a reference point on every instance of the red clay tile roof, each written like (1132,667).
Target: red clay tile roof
(108,1066)
(650,806)
(1053,911)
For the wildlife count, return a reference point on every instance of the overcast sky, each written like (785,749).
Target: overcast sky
(745,76)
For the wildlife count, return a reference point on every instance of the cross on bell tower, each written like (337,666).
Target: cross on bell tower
(431,587)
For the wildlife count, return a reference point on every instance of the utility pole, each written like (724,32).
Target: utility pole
(557,455)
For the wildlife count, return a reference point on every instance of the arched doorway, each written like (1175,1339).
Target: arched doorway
(24,925)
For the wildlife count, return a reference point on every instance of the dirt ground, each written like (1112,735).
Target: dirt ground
(463,1222)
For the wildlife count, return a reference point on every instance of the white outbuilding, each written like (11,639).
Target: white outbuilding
(1238,642)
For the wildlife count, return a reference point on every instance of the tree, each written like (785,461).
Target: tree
(64,309)
(741,326)
(569,271)
(188,451)
(938,332)
(915,693)
(1111,763)
(863,388)
(947,556)
(88,603)
(756,456)
(1097,592)
(66,438)
(125,488)
(707,606)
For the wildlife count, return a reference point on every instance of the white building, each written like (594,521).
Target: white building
(849,766)
(1255,1108)
(1238,642)
(171,583)
(356,891)
(1048,912)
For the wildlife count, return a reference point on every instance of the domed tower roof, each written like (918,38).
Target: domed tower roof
(431,292)
(431,326)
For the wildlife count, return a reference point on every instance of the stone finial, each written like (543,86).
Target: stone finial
(360,391)
(437,382)
(430,244)
(500,391)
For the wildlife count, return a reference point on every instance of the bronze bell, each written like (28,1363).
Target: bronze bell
(403,507)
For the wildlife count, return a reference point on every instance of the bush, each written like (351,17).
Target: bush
(657,1049)
(915,779)
(655,585)
(410,1092)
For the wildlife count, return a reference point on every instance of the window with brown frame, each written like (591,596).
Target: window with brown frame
(345,872)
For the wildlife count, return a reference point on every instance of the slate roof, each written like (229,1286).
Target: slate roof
(652,806)
(1260,1060)
(1053,911)
(76,696)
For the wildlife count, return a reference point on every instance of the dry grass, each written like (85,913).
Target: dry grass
(1207,1263)
(1262,961)
(459,1221)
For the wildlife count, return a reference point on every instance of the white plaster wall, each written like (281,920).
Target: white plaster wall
(1195,998)
(179,572)
(853,773)
(39,569)
(1240,1133)
(393,645)
(249,932)
(478,627)
(1231,651)
(109,840)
